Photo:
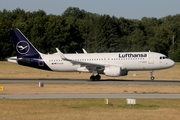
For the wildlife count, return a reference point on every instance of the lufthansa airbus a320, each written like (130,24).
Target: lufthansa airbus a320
(110,64)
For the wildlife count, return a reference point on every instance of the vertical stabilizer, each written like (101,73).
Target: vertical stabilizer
(22,45)
(27,54)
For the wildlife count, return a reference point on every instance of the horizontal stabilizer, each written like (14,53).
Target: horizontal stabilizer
(12,59)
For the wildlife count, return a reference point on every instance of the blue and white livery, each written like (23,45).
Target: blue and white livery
(110,64)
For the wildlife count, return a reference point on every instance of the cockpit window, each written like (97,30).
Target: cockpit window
(163,57)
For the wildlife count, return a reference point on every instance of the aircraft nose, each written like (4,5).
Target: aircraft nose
(171,63)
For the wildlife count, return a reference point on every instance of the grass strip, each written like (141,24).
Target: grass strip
(88,109)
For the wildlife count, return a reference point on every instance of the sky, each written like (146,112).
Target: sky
(130,9)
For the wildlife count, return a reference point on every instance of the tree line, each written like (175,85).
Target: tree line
(76,29)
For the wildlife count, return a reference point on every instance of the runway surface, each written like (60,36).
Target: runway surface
(51,96)
(86,81)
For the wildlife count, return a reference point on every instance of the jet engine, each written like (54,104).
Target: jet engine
(115,71)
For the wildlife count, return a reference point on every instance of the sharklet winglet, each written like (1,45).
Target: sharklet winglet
(61,54)
(84,51)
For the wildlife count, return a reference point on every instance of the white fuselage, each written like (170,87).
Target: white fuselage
(129,61)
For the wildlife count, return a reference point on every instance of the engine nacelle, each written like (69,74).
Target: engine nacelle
(82,69)
(115,71)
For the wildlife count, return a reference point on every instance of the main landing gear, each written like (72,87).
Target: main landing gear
(97,77)
(152,77)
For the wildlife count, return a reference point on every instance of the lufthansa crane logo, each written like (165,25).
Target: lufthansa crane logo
(22,47)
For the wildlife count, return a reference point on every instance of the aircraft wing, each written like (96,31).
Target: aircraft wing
(79,62)
(88,66)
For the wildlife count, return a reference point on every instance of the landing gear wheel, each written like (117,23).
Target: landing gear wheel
(152,78)
(98,77)
(93,78)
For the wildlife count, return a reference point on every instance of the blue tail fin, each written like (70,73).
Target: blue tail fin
(23,46)
(27,54)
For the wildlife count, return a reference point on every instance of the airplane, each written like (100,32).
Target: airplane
(111,64)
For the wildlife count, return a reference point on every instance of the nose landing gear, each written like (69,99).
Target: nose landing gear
(152,77)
